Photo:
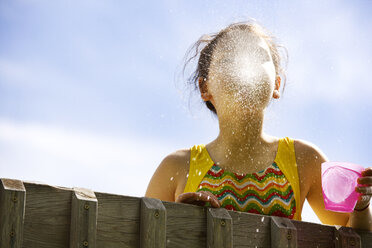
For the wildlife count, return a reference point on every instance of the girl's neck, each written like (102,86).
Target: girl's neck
(241,141)
(241,130)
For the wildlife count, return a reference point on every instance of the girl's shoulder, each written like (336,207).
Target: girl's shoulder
(178,158)
(176,163)
(308,153)
(309,159)
(170,173)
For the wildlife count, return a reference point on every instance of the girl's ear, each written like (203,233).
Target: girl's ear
(203,86)
(276,93)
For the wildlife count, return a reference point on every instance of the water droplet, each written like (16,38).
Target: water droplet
(171,178)
(262,219)
(199,173)
(187,175)
(257,230)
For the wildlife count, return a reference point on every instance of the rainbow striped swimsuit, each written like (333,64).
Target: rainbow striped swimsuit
(266,192)
(273,191)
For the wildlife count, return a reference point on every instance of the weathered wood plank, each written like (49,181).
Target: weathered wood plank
(83,219)
(47,216)
(314,235)
(366,238)
(12,210)
(219,228)
(186,225)
(250,230)
(283,233)
(153,223)
(346,237)
(118,223)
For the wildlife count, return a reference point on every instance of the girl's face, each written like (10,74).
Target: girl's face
(242,73)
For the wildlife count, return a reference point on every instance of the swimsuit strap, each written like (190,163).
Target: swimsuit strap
(286,161)
(200,163)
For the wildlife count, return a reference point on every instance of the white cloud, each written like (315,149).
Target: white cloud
(65,157)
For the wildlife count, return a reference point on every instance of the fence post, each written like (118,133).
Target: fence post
(153,223)
(283,233)
(83,219)
(12,212)
(346,237)
(219,228)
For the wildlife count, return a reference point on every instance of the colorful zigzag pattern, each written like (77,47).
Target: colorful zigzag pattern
(266,192)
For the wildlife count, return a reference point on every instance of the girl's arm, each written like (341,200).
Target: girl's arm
(310,158)
(164,182)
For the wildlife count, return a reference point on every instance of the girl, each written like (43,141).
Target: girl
(244,169)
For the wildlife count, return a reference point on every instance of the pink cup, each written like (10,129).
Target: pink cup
(339,180)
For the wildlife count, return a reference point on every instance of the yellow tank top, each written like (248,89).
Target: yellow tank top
(273,191)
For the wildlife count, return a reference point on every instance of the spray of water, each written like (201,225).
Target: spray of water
(242,73)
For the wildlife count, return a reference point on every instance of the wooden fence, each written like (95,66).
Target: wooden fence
(41,216)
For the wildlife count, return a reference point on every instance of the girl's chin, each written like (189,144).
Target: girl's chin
(242,108)
(245,102)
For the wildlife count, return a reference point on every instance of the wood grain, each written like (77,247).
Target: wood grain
(219,228)
(314,235)
(250,230)
(12,209)
(118,223)
(346,237)
(153,223)
(83,219)
(366,238)
(47,216)
(186,225)
(283,233)
(51,216)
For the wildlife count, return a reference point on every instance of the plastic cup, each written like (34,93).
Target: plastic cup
(339,180)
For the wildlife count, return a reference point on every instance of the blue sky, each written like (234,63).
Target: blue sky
(90,93)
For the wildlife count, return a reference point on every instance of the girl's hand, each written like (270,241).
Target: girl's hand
(365,190)
(200,198)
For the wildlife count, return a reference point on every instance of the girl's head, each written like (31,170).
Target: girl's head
(238,68)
